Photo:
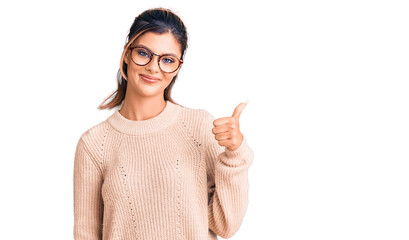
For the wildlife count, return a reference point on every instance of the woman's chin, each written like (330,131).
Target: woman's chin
(147,90)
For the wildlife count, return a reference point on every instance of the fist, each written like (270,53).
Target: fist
(227,129)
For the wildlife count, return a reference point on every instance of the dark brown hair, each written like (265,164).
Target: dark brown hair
(158,20)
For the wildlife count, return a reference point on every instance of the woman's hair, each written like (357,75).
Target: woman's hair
(158,20)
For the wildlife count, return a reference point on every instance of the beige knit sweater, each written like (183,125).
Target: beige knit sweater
(163,178)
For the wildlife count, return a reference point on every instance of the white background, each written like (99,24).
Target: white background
(327,118)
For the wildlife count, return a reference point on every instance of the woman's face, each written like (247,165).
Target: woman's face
(158,44)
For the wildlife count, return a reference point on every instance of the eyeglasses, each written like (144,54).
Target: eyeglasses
(168,63)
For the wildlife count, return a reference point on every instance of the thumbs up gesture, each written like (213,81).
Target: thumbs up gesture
(227,129)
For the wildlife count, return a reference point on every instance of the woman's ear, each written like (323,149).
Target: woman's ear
(177,71)
(126,57)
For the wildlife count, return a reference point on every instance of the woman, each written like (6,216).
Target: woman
(155,169)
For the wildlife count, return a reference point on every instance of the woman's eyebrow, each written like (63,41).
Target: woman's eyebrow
(141,45)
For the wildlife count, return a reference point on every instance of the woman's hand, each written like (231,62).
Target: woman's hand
(227,129)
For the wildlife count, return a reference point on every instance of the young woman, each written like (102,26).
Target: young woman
(155,169)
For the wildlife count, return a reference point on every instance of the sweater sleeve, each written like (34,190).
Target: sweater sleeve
(88,204)
(227,181)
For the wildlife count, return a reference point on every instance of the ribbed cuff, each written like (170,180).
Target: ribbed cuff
(238,157)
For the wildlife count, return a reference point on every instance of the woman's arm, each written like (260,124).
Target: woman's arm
(88,204)
(227,179)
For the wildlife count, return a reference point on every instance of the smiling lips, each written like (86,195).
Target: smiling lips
(148,78)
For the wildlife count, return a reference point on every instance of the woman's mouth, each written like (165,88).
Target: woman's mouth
(148,79)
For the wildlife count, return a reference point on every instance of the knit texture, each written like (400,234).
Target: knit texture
(164,178)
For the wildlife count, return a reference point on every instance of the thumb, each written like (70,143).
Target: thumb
(239,109)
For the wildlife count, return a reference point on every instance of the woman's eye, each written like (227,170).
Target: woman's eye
(168,60)
(143,53)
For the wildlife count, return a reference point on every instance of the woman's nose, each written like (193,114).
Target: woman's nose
(153,64)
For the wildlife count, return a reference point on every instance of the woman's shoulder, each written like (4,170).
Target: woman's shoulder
(194,115)
(95,134)
(199,121)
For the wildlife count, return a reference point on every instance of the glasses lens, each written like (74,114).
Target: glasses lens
(168,63)
(141,56)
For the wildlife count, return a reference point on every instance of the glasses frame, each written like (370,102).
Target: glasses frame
(159,58)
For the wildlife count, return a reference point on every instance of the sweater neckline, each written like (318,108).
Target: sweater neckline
(151,125)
